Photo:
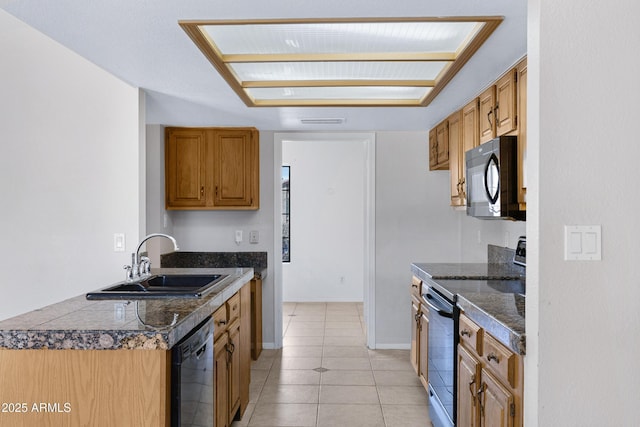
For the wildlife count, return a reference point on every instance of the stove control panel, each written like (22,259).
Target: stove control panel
(520,257)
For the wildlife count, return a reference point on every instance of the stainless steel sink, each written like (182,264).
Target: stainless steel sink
(161,286)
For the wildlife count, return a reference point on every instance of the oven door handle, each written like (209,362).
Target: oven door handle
(438,310)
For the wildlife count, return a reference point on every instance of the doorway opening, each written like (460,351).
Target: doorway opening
(332,219)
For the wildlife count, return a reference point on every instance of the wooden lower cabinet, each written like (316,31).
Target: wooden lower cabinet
(85,388)
(419,334)
(233,357)
(490,381)
(256,318)
(221,381)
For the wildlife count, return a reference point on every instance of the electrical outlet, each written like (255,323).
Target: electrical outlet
(238,237)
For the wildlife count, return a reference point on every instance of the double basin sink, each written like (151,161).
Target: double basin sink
(161,286)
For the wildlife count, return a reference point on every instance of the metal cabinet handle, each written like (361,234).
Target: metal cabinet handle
(495,112)
(202,190)
(492,356)
(489,117)
(222,322)
(464,332)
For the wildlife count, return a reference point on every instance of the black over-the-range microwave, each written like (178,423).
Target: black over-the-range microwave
(492,180)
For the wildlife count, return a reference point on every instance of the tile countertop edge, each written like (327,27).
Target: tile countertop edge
(15,337)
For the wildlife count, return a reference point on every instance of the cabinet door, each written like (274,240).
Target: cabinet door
(505,110)
(470,138)
(468,378)
(235,166)
(522,134)
(415,334)
(487,119)
(221,382)
(496,402)
(433,149)
(456,158)
(423,356)
(185,168)
(233,349)
(256,318)
(245,345)
(442,138)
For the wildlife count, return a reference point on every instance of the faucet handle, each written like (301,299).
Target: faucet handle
(129,270)
(145,265)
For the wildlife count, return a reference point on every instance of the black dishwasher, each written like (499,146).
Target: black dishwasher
(192,378)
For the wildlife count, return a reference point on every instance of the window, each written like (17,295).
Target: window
(286,212)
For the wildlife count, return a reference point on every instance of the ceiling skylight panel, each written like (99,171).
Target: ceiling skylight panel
(347,70)
(339,93)
(340,61)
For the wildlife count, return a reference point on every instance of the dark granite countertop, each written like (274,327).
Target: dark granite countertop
(182,259)
(78,323)
(492,295)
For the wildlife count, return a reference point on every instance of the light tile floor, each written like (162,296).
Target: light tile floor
(325,375)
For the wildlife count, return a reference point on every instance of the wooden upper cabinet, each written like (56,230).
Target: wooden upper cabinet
(521,69)
(456,158)
(506,107)
(487,119)
(185,167)
(235,168)
(439,146)
(433,149)
(212,168)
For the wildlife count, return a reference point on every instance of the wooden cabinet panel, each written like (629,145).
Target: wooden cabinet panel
(245,345)
(433,150)
(471,334)
(233,350)
(233,308)
(456,158)
(185,167)
(439,146)
(256,318)
(423,356)
(505,108)
(487,117)
(501,360)
(212,168)
(496,403)
(235,168)
(442,138)
(99,388)
(219,322)
(468,380)
(221,381)
(522,133)
(415,334)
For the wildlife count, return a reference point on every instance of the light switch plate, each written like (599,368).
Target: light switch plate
(582,242)
(254,236)
(119,242)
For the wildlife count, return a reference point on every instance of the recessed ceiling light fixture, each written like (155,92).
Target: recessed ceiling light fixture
(340,62)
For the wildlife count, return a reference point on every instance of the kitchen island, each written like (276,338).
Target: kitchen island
(98,363)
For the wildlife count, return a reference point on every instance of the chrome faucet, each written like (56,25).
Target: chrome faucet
(141,267)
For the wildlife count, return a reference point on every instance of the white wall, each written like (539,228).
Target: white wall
(582,317)
(327,219)
(415,223)
(69,171)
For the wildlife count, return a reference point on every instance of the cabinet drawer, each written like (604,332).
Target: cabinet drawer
(501,360)
(471,334)
(233,308)
(219,321)
(416,286)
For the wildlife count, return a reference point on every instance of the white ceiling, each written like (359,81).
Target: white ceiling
(141,43)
